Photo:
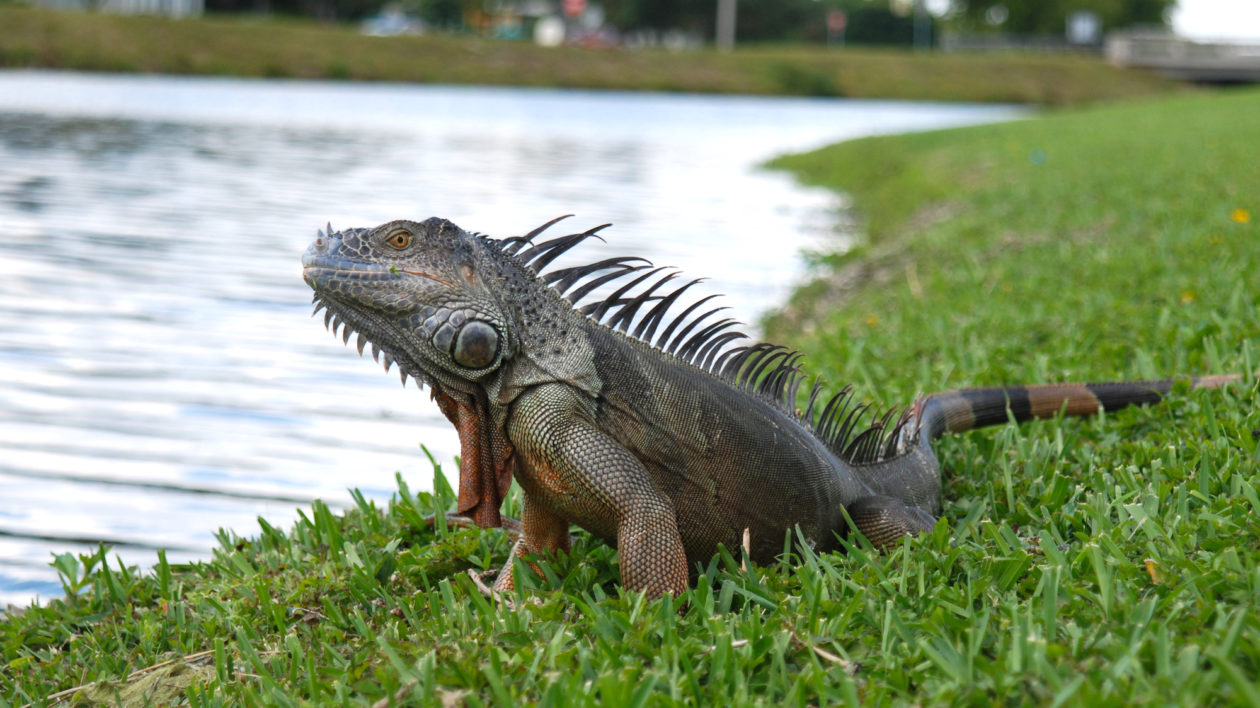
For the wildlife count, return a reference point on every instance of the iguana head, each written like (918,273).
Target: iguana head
(417,292)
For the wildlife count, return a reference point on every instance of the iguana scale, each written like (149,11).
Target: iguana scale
(661,433)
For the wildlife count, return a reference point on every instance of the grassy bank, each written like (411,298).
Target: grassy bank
(298,49)
(1110,561)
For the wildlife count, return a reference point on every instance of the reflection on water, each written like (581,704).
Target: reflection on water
(159,374)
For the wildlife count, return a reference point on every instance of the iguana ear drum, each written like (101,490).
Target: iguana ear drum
(476,345)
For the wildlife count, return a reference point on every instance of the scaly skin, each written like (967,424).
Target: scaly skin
(667,454)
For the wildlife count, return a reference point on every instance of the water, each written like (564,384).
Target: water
(159,375)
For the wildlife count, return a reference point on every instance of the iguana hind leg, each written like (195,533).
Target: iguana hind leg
(884,520)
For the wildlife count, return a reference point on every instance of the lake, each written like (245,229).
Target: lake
(160,375)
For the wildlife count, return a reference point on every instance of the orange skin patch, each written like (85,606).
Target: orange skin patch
(958,411)
(1216,381)
(1074,399)
(484,476)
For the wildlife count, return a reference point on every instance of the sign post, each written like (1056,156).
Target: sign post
(725,34)
(837,21)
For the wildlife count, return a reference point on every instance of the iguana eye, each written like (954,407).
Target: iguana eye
(399,239)
(476,346)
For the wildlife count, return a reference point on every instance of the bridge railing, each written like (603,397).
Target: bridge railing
(1184,58)
(1137,49)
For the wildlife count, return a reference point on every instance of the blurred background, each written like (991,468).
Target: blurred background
(163,163)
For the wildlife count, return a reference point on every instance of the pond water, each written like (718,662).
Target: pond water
(160,376)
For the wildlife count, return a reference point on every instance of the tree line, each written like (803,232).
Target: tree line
(865,21)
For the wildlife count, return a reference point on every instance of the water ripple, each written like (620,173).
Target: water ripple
(160,376)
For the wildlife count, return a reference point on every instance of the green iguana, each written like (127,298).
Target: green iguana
(661,433)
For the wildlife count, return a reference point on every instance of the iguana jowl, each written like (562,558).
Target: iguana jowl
(655,431)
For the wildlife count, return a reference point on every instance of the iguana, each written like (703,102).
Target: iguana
(661,433)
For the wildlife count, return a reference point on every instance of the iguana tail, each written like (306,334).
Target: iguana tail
(906,487)
(969,408)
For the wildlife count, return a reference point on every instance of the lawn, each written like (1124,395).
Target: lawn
(1106,561)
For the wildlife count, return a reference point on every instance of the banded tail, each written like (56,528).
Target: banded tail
(970,408)
(906,488)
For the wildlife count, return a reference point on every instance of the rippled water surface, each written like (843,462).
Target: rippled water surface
(160,377)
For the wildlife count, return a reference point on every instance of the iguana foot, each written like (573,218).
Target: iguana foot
(498,596)
(507,523)
(884,520)
(541,531)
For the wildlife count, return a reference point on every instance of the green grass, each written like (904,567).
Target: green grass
(1096,243)
(1106,561)
(289,48)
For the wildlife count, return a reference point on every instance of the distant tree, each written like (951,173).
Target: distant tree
(689,15)
(869,21)
(255,6)
(781,21)
(439,13)
(878,25)
(765,20)
(329,10)
(1050,16)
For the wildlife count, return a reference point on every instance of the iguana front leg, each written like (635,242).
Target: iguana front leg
(572,471)
(542,531)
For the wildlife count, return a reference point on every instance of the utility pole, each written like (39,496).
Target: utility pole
(725,34)
(922,26)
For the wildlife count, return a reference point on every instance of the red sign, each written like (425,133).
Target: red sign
(836,21)
(573,8)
